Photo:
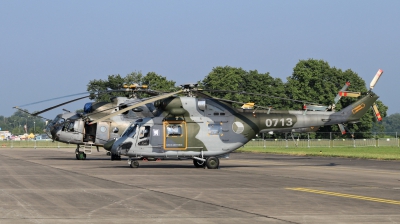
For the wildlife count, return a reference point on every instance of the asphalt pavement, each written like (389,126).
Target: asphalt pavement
(51,186)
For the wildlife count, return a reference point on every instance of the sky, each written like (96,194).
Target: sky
(51,48)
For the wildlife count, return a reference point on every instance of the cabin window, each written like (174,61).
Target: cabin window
(174,130)
(214,129)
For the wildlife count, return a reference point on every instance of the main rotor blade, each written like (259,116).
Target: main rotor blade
(25,111)
(338,96)
(77,94)
(150,92)
(136,105)
(58,105)
(258,94)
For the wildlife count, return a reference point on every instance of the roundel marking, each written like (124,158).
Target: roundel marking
(103,129)
(237,127)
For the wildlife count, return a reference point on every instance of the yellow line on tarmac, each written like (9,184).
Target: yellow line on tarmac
(346,195)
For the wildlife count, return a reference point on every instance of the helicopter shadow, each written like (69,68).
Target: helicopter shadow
(176,166)
(74,159)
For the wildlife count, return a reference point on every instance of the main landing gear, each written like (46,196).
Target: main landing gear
(206,163)
(209,163)
(134,163)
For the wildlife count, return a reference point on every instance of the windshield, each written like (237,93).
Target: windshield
(130,131)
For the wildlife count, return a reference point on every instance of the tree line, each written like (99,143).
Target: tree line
(20,123)
(311,81)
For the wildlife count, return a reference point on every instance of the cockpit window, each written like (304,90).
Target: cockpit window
(144,132)
(130,131)
(58,120)
(68,126)
(60,123)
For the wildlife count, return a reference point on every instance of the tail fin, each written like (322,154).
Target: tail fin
(356,110)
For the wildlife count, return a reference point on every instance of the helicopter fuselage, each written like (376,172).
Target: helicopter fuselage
(191,127)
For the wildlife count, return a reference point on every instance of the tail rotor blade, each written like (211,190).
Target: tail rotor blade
(376,112)
(375,79)
(342,129)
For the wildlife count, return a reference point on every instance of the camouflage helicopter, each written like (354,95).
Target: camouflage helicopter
(342,93)
(73,128)
(205,129)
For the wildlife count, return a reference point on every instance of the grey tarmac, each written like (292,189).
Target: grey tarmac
(51,186)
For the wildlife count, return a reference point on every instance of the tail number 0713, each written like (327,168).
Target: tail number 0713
(279,122)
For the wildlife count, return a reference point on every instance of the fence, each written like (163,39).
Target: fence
(305,140)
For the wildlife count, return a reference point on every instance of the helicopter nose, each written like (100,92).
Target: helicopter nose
(109,144)
(50,131)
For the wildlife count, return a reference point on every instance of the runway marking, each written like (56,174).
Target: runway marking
(346,195)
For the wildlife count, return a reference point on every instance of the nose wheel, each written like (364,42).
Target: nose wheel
(80,156)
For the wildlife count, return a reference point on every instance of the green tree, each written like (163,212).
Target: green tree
(16,122)
(116,82)
(236,79)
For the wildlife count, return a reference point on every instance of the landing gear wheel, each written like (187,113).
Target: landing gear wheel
(108,153)
(81,156)
(77,156)
(134,164)
(115,157)
(212,163)
(198,163)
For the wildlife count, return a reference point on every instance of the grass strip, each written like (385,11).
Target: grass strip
(379,153)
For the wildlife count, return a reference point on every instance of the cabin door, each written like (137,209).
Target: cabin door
(102,132)
(175,135)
